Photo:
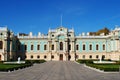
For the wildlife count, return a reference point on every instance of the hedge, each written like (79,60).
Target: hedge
(12,67)
(35,61)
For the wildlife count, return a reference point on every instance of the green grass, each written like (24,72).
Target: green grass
(11,67)
(105,67)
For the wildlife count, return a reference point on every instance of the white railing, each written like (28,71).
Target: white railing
(92,36)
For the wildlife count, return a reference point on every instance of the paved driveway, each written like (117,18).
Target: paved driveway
(58,70)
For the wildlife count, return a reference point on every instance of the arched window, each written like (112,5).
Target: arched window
(38,47)
(83,46)
(97,56)
(61,45)
(69,47)
(38,56)
(31,47)
(103,46)
(90,56)
(45,56)
(1,45)
(45,47)
(90,47)
(52,47)
(77,47)
(52,56)
(97,47)
(31,56)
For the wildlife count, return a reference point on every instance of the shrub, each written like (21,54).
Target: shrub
(35,61)
(85,61)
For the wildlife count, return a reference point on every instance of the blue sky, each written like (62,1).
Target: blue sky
(40,15)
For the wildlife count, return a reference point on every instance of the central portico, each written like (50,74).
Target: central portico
(61,38)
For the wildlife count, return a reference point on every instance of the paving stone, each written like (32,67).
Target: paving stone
(58,70)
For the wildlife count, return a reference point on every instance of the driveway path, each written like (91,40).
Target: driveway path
(58,70)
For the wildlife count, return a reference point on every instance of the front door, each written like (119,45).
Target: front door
(61,57)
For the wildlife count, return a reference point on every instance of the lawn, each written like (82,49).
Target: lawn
(105,67)
(11,67)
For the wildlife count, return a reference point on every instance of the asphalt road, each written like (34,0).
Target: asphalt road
(58,70)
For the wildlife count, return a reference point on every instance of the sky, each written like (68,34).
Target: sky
(24,16)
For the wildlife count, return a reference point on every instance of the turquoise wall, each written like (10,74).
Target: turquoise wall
(34,43)
(93,43)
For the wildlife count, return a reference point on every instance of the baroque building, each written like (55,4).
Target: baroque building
(59,44)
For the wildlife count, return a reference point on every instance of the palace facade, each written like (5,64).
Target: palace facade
(59,44)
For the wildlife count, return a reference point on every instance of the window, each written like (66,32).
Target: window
(52,56)
(45,57)
(61,46)
(38,56)
(25,47)
(38,47)
(77,47)
(83,46)
(83,56)
(90,56)
(31,47)
(52,47)
(97,47)
(69,35)
(31,56)
(103,57)
(97,56)
(103,47)
(52,35)
(69,47)
(1,45)
(90,47)
(45,47)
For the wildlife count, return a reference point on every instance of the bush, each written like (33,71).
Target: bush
(34,61)
(12,67)
(85,61)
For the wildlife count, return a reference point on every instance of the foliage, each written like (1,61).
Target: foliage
(105,31)
(12,67)
(35,61)
(84,61)
(105,67)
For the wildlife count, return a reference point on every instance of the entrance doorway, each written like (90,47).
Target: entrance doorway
(61,57)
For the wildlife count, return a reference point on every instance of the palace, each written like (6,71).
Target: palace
(59,44)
